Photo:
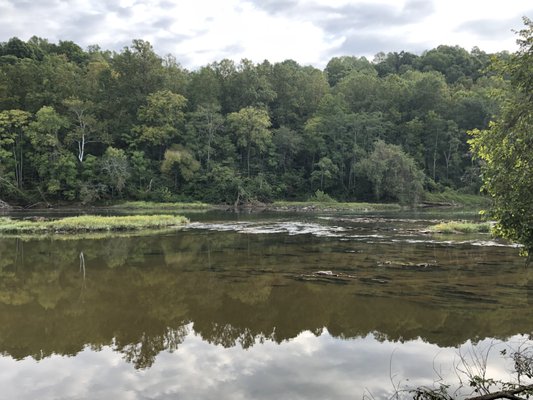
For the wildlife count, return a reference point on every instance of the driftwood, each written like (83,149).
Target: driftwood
(505,394)
(327,277)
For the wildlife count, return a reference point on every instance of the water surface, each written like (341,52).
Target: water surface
(232,307)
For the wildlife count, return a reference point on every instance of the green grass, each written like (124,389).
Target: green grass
(91,223)
(336,206)
(150,205)
(461,227)
(458,199)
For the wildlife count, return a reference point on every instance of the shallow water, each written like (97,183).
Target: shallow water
(232,307)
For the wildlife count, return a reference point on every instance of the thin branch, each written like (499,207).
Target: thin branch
(504,394)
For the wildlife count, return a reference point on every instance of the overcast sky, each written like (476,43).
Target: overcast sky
(198,32)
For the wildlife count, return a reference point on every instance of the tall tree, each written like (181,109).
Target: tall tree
(13,138)
(506,148)
(161,119)
(84,125)
(207,122)
(251,127)
(393,173)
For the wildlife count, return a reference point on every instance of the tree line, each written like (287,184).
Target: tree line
(89,125)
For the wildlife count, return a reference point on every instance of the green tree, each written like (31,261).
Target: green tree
(392,173)
(55,166)
(251,127)
(506,148)
(179,164)
(115,167)
(298,93)
(141,172)
(206,122)
(325,171)
(85,127)
(44,130)
(58,174)
(340,67)
(160,119)
(13,125)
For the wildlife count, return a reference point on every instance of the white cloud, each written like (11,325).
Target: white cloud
(308,31)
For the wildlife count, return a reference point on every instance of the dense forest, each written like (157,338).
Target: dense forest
(92,125)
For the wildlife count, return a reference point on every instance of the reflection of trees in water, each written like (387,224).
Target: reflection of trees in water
(227,335)
(142,354)
(141,293)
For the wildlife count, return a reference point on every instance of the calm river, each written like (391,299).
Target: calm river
(232,307)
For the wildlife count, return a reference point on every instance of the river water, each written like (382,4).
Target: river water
(258,306)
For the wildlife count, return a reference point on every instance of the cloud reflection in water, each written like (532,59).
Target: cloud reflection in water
(306,367)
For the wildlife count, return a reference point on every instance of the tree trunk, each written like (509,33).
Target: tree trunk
(435,155)
(248,159)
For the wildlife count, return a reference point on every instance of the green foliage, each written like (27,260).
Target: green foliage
(180,165)
(325,172)
(91,223)
(321,197)
(95,125)
(13,137)
(392,173)
(160,118)
(223,185)
(115,167)
(250,126)
(461,227)
(506,149)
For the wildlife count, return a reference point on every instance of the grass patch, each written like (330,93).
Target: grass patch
(319,206)
(91,223)
(457,199)
(461,227)
(151,205)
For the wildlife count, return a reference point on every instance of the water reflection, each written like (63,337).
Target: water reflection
(205,289)
(305,367)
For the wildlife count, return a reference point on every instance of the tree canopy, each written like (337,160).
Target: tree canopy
(88,125)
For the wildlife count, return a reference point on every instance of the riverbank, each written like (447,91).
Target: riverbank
(310,206)
(434,200)
(453,198)
(151,205)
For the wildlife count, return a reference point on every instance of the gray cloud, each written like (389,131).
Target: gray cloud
(492,28)
(362,25)
(336,20)
(371,16)
(275,6)
(418,8)
(164,22)
(361,43)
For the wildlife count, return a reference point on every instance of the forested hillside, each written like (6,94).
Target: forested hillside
(92,125)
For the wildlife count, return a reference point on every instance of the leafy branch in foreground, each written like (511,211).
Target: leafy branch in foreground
(472,374)
(506,149)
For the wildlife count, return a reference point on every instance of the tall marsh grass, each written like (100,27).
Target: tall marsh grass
(91,223)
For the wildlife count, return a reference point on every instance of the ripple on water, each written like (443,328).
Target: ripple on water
(343,233)
(290,228)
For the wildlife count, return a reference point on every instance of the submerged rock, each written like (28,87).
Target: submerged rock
(327,277)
